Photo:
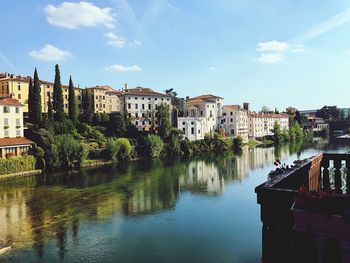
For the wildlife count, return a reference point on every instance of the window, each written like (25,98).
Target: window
(136,123)
(183,123)
(143,106)
(104,105)
(19,87)
(231,120)
(135,98)
(18,122)
(149,98)
(155,99)
(231,113)
(136,115)
(129,115)
(17,109)
(6,133)
(96,105)
(6,122)
(19,96)
(192,123)
(192,130)
(66,97)
(143,115)
(201,113)
(129,105)
(136,106)
(66,105)
(6,109)
(18,133)
(199,131)
(184,130)
(149,106)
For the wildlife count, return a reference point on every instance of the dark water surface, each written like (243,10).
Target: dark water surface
(201,210)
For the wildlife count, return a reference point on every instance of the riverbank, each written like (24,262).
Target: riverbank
(4,177)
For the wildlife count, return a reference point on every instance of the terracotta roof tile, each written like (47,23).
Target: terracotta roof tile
(144,92)
(268,115)
(9,101)
(15,141)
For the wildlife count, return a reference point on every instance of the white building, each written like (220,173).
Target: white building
(261,124)
(12,142)
(139,104)
(235,121)
(202,116)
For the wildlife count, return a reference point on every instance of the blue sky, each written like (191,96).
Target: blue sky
(267,52)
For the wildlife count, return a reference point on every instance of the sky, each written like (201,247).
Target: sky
(276,53)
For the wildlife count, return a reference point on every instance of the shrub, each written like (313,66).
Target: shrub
(124,150)
(43,138)
(63,127)
(104,117)
(237,143)
(186,147)
(112,148)
(154,145)
(70,151)
(174,147)
(17,164)
(97,118)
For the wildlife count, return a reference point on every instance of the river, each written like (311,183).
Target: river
(201,210)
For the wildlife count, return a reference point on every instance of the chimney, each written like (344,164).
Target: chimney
(125,86)
(246,106)
(187,97)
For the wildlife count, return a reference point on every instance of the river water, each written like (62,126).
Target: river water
(202,210)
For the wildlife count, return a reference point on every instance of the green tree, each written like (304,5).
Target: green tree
(36,100)
(58,96)
(277,133)
(49,109)
(72,106)
(117,125)
(154,145)
(328,113)
(163,120)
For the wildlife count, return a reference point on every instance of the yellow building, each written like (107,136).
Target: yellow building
(103,99)
(17,87)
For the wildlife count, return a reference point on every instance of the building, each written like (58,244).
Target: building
(308,113)
(261,124)
(235,121)
(202,115)
(344,113)
(316,124)
(12,140)
(103,99)
(17,87)
(139,104)
(291,110)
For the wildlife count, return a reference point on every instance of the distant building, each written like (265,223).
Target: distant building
(101,99)
(308,113)
(139,104)
(202,115)
(344,113)
(291,110)
(261,124)
(235,121)
(17,87)
(316,124)
(12,141)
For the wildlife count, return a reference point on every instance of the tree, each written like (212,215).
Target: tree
(163,120)
(30,100)
(72,106)
(57,96)
(117,125)
(36,100)
(276,111)
(265,109)
(154,145)
(49,109)
(177,102)
(298,117)
(328,113)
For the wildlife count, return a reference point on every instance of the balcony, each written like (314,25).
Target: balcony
(294,233)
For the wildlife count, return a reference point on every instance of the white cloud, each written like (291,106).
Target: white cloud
(50,53)
(121,68)
(212,68)
(272,46)
(328,25)
(75,15)
(270,58)
(114,40)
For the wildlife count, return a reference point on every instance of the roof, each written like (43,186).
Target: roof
(203,98)
(15,141)
(268,115)
(233,107)
(9,101)
(144,92)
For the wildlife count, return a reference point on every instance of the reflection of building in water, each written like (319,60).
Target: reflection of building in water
(261,156)
(202,177)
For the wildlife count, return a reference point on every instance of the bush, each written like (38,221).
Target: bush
(174,147)
(104,117)
(64,127)
(70,151)
(17,164)
(124,151)
(112,148)
(186,147)
(43,138)
(237,143)
(154,145)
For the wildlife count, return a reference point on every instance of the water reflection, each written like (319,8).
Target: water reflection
(38,209)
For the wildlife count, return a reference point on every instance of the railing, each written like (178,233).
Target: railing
(276,197)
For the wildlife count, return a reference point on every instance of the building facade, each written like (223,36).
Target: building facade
(261,124)
(234,120)
(17,87)
(139,105)
(102,99)
(202,115)
(12,141)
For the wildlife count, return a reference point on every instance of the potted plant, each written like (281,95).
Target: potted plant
(323,213)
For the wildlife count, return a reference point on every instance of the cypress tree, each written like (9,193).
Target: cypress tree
(30,100)
(72,106)
(58,96)
(49,109)
(36,100)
